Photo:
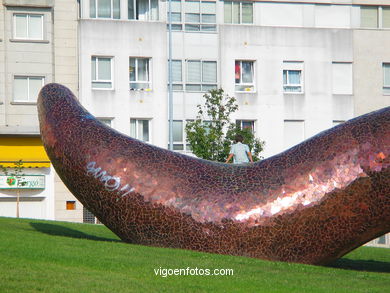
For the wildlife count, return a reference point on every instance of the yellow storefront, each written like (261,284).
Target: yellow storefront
(36,194)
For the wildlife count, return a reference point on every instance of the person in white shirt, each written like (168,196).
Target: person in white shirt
(239,152)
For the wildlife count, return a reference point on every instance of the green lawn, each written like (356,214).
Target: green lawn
(49,256)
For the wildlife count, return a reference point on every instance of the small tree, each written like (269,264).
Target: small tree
(15,176)
(211,134)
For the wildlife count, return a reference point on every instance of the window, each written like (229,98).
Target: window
(101,73)
(342,78)
(375,17)
(106,121)
(140,129)
(88,217)
(369,16)
(177,75)
(244,76)
(70,205)
(143,9)
(238,12)
(176,15)
(201,75)
(104,9)
(28,26)
(337,122)
(294,132)
(199,16)
(246,124)
(179,136)
(139,74)
(292,77)
(386,17)
(386,78)
(26,88)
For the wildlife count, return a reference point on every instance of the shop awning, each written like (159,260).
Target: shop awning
(28,149)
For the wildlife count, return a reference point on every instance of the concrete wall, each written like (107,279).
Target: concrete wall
(269,47)
(131,39)
(370,51)
(66,69)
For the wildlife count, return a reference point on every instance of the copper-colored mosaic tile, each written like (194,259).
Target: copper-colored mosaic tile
(312,203)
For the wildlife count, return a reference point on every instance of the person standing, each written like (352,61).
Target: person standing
(239,152)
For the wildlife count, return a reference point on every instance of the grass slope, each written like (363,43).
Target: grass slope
(48,256)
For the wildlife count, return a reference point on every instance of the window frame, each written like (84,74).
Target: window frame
(28,15)
(243,84)
(240,12)
(97,73)
(186,148)
(108,121)
(201,83)
(177,83)
(385,87)
(28,77)
(149,74)
(96,12)
(379,17)
(183,24)
(136,129)
(289,66)
(239,122)
(148,15)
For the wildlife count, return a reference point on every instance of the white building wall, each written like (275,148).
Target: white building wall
(132,39)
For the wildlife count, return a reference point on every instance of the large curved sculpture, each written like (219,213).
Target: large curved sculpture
(312,203)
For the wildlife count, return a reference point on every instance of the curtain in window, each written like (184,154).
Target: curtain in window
(247,72)
(247,13)
(176,71)
(104,68)
(192,7)
(143,69)
(209,71)
(142,9)
(227,12)
(143,130)
(132,69)
(386,17)
(237,71)
(386,74)
(236,12)
(116,9)
(104,8)
(369,16)
(35,85)
(20,89)
(176,11)
(177,131)
(294,77)
(21,26)
(133,128)
(154,10)
(193,74)
(130,9)
(92,8)
(35,27)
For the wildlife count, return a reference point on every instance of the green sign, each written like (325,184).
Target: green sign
(23,182)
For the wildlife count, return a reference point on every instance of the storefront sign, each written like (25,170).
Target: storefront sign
(23,182)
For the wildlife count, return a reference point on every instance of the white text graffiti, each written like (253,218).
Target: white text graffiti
(111,183)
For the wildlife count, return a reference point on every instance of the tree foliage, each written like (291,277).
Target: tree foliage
(211,134)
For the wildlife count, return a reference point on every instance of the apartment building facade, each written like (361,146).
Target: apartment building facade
(295,67)
(38,45)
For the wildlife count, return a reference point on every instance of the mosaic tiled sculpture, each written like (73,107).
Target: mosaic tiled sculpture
(312,203)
